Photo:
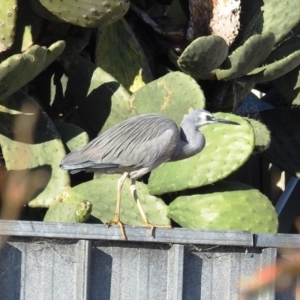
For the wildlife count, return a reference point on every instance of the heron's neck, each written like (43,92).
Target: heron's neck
(192,142)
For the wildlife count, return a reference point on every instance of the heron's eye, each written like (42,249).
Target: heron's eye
(208,118)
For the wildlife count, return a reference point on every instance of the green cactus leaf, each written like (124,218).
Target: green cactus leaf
(87,13)
(28,27)
(225,206)
(282,60)
(288,86)
(69,212)
(268,16)
(262,135)
(103,194)
(73,136)
(19,69)
(247,57)
(285,138)
(8,15)
(203,55)
(43,12)
(31,153)
(119,53)
(101,101)
(227,148)
(173,95)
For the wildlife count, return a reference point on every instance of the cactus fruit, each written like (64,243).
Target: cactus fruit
(73,136)
(8,15)
(103,194)
(165,95)
(69,212)
(102,101)
(19,69)
(285,138)
(247,57)
(119,53)
(203,55)
(87,13)
(262,136)
(227,148)
(225,206)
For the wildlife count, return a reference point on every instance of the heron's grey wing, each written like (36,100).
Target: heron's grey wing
(136,142)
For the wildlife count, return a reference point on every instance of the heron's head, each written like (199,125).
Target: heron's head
(203,117)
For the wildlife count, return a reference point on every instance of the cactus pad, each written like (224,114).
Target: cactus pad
(225,206)
(73,136)
(103,194)
(69,212)
(285,138)
(102,101)
(247,57)
(19,69)
(8,15)
(288,86)
(203,55)
(262,136)
(85,13)
(172,95)
(227,148)
(119,53)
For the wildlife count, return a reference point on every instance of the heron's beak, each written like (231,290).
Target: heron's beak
(224,121)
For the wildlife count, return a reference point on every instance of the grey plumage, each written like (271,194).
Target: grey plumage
(138,145)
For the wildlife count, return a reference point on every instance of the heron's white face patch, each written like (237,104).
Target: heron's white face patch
(204,118)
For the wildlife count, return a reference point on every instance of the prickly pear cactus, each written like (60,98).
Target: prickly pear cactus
(103,194)
(87,13)
(119,53)
(69,212)
(165,95)
(262,136)
(227,148)
(19,69)
(101,101)
(8,15)
(225,206)
(73,136)
(247,57)
(203,55)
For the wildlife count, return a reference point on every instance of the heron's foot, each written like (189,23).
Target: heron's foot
(117,221)
(152,226)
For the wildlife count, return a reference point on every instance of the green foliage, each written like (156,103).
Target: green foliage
(78,62)
(8,15)
(203,55)
(262,136)
(165,95)
(87,13)
(69,212)
(119,53)
(247,57)
(102,193)
(225,206)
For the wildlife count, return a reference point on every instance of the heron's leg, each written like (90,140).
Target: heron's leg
(138,203)
(116,219)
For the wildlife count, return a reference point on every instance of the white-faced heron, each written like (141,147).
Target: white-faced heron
(138,145)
